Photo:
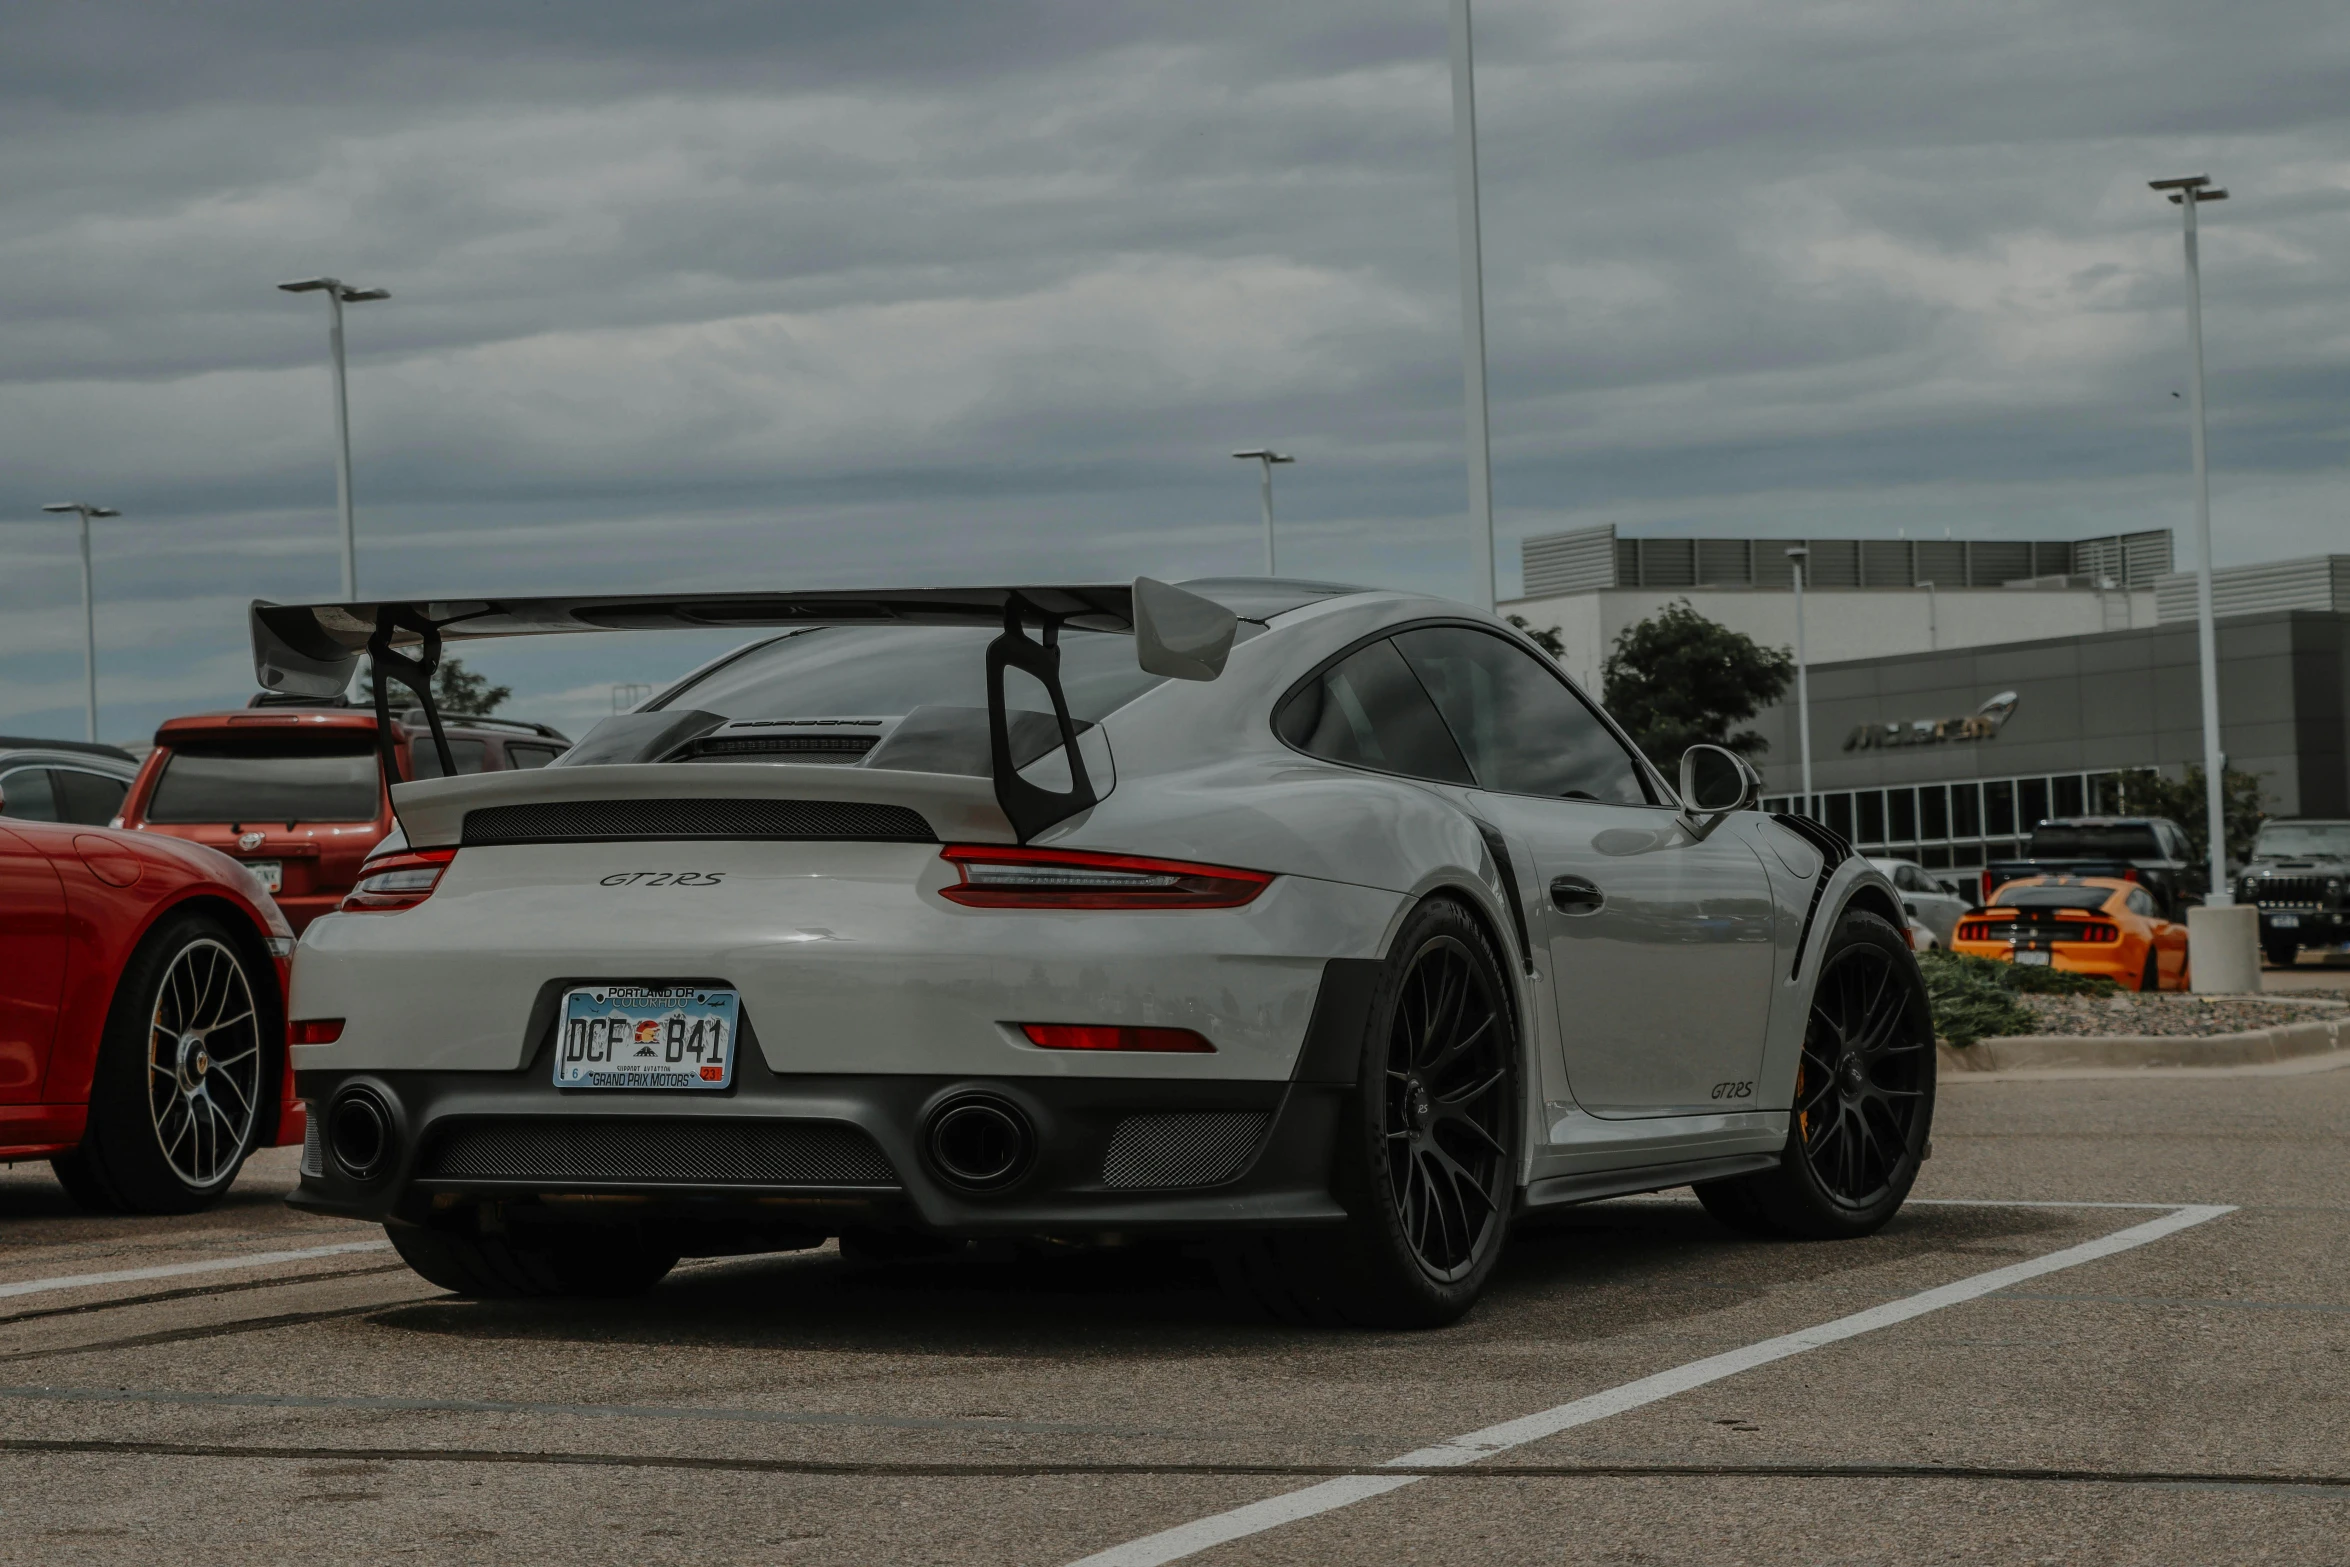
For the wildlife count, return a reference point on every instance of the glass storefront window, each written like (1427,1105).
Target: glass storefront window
(2031,803)
(2065,795)
(1871,804)
(2105,794)
(1934,859)
(1967,854)
(1839,813)
(1966,810)
(1999,806)
(1933,813)
(1901,815)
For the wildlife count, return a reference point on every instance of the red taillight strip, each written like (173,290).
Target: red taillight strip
(1115,1036)
(1014,878)
(393,882)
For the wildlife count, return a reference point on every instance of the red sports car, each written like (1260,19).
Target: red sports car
(142,1014)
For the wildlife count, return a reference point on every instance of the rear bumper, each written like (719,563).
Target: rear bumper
(2121,962)
(821,1153)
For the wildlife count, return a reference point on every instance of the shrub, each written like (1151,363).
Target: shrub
(1974,998)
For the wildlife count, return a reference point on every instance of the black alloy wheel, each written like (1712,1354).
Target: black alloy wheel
(1863,1103)
(1449,1106)
(1425,1158)
(1857,1093)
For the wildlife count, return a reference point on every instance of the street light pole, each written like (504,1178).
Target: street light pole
(338,294)
(2188,194)
(1799,555)
(1464,152)
(83,512)
(1266,457)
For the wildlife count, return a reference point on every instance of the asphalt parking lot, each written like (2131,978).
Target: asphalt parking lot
(2179,1399)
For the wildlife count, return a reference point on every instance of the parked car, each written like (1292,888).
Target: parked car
(2084,925)
(2297,877)
(296,792)
(142,1016)
(1934,903)
(1333,928)
(64,780)
(2150,850)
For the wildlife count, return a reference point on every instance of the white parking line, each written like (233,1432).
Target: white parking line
(1189,1539)
(175,1270)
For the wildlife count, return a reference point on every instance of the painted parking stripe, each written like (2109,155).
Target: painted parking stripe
(177,1270)
(1257,1517)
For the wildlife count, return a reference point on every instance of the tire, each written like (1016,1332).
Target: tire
(1862,1113)
(2280,954)
(1425,1160)
(2150,978)
(597,1263)
(187,1072)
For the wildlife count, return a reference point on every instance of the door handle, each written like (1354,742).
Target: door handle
(1576,895)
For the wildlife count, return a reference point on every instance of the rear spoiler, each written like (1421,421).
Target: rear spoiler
(313,650)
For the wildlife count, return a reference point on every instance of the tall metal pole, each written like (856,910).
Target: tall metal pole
(1464,149)
(1265,493)
(2191,193)
(89,633)
(334,337)
(1802,684)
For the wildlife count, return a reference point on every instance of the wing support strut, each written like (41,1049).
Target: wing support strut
(1029,807)
(414,673)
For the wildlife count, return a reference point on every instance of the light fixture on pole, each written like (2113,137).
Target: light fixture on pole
(338,294)
(1797,557)
(2188,194)
(1265,458)
(83,512)
(1464,177)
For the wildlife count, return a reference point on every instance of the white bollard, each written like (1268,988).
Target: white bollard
(2223,950)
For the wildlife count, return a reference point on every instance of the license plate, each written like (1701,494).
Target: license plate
(2285,921)
(271,872)
(2031,959)
(631,1036)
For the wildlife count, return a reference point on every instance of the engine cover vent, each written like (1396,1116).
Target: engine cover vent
(1182,1148)
(702,1151)
(640,821)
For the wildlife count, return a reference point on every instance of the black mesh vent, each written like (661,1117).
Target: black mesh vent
(313,1144)
(1182,1148)
(703,1151)
(810,748)
(621,821)
(1834,851)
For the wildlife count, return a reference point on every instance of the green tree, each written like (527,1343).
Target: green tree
(1549,641)
(456,689)
(2145,792)
(1678,679)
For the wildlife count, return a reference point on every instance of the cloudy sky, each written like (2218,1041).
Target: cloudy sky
(711,294)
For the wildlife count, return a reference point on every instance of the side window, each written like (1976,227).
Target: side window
(91,798)
(2140,903)
(425,762)
(1912,879)
(1368,711)
(28,795)
(529,755)
(1522,729)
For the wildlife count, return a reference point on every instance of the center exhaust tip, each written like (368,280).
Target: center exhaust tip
(980,1142)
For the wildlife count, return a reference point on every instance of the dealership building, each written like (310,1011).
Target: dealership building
(2051,671)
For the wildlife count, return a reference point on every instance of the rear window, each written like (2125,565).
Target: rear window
(2095,843)
(2038,897)
(886,671)
(316,777)
(424,760)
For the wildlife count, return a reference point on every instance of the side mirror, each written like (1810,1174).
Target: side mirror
(1714,782)
(1179,634)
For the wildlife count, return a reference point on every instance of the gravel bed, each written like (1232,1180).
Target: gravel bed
(2172,1015)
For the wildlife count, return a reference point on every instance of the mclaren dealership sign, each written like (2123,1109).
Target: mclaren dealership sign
(1984,723)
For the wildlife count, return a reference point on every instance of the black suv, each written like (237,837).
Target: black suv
(2296,877)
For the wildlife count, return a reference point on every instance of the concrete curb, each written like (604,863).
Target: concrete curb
(2057,1052)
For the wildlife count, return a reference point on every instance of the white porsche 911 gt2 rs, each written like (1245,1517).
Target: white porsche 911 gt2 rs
(1332,927)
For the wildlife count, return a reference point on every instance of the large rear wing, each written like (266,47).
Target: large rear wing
(313,650)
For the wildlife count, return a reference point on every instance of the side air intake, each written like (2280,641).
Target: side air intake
(641,821)
(1181,1148)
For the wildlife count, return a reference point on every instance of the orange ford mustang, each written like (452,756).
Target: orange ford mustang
(2084,924)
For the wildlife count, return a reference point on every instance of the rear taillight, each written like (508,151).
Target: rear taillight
(314,1030)
(1114,1036)
(994,878)
(397,881)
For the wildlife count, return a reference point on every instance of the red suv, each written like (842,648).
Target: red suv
(295,792)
